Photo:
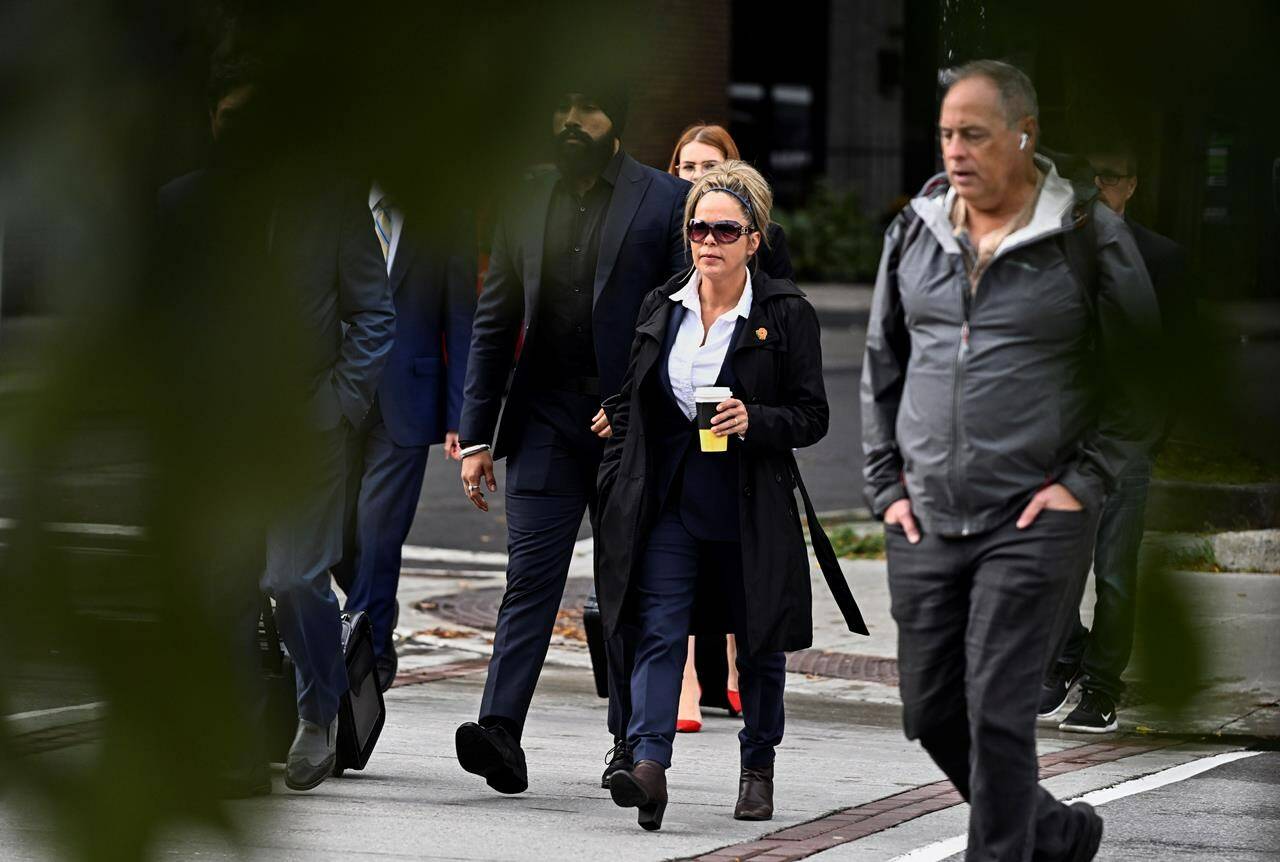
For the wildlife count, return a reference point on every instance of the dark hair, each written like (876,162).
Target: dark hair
(1017,93)
(1117,150)
(232,65)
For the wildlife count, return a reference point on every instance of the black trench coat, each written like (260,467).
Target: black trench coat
(778,365)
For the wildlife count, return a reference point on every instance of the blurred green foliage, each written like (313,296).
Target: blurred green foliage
(1190,461)
(830,238)
(857,543)
(165,401)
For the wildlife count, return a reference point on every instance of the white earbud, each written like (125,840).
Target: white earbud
(1022,142)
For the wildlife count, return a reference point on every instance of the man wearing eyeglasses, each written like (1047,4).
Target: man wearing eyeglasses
(571,261)
(1096,658)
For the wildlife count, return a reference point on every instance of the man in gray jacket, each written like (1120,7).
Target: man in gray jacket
(1002,302)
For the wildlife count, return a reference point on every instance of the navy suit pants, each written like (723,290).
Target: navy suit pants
(664,599)
(384,487)
(551,484)
(301,547)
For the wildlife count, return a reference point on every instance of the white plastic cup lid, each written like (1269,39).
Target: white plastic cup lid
(714,394)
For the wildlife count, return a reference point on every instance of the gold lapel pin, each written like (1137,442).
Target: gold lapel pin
(762,334)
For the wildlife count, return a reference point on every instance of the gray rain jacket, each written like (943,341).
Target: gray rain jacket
(972,403)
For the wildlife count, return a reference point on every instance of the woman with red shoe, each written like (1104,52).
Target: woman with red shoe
(711,669)
(697,488)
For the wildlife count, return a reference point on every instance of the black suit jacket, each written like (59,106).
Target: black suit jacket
(312,239)
(641,247)
(1166,264)
(774,259)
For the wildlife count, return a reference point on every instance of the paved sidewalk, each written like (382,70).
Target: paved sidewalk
(1234,618)
(850,787)
(413,801)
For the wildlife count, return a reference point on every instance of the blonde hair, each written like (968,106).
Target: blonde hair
(745,183)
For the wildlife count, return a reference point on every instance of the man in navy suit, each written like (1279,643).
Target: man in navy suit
(418,403)
(571,261)
(303,236)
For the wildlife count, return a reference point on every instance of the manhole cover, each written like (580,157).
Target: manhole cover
(478,609)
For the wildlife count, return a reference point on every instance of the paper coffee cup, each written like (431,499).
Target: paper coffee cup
(707,398)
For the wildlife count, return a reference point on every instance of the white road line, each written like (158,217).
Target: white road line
(426,554)
(44,719)
(423,554)
(945,849)
(81,529)
(415,553)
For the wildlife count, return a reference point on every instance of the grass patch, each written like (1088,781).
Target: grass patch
(857,544)
(1190,557)
(1184,461)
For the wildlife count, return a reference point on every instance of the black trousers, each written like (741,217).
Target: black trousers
(1102,654)
(978,619)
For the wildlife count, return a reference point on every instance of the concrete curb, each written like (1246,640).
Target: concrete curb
(41,720)
(1191,507)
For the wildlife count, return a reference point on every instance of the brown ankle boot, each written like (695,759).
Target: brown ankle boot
(755,794)
(645,788)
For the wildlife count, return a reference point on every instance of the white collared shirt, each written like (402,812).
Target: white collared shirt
(397,222)
(692,362)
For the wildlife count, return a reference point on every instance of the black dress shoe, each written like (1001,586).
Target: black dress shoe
(493,754)
(1088,834)
(244,782)
(755,794)
(618,759)
(386,667)
(645,788)
(312,755)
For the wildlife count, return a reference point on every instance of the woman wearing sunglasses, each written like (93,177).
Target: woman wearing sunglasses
(710,673)
(710,518)
(699,149)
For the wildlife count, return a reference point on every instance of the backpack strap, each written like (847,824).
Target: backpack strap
(1080,248)
(909,224)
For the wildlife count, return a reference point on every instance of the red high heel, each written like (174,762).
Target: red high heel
(689,725)
(735,701)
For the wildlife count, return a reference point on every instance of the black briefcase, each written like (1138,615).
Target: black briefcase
(362,711)
(594,627)
(279,688)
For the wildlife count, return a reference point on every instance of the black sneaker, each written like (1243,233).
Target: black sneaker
(1056,688)
(1096,713)
(619,759)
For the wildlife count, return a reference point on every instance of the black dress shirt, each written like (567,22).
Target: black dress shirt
(563,345)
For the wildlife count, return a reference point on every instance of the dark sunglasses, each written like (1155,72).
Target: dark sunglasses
(725,232)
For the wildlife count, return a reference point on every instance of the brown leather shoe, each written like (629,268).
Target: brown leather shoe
(755,794)
(645,788)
